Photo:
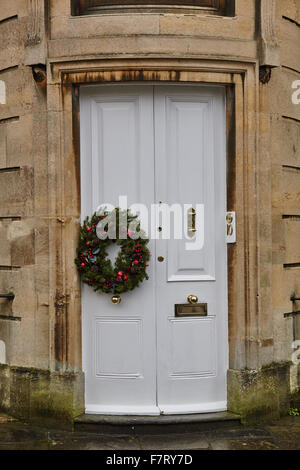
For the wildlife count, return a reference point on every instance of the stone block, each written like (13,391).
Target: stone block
(283,334)
(10,8)
(41,396)
(19,142)
(3,145)
(289,37)
(103,25)
(290,9)
(207,26)
(292,240)
(12,38)
(20,91)
(16,192)
(39,393)
(286,196)
(4,387)
(5,250)
(259,395)
(19,393)
(66,395)
(22,250)
(280,89)
(60,8)
(285,141)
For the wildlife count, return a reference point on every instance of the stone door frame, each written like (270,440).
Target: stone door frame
(241,81)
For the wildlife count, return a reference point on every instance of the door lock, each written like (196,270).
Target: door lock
(230,227)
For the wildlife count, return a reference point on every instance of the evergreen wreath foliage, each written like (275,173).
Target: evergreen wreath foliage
(94,266)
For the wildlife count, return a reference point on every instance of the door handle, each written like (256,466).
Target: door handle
(192,299)
(191,222)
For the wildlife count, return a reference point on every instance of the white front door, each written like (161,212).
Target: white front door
(158,144)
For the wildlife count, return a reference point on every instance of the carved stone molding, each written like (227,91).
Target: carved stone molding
(35,51)
(35,10)
(269,46)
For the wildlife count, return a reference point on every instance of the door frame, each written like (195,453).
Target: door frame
(64,189)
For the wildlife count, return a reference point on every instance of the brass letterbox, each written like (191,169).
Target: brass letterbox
(191,310)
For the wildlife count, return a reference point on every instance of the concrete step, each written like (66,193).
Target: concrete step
(109,424)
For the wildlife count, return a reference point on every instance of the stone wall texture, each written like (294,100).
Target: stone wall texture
(40,328)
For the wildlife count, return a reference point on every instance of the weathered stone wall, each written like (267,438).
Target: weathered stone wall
(23,191)
(284,151)
(41,327)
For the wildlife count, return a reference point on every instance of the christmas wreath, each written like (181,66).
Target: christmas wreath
(93,263)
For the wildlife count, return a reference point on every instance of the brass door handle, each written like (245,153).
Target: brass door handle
(191,222)
(192,299)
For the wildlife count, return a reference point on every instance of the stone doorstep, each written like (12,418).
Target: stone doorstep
(4,418)
(109,424)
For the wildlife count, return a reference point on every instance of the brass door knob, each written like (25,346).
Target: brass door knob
(116,299)
(192,299)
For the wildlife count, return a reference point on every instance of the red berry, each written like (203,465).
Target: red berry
(89,229)
(136,262)
(125,277)
(82,265)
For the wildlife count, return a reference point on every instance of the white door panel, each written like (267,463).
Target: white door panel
(190,168)
(119,341)
(158,143)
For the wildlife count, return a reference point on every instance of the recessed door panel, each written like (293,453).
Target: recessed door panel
(189,170)
(118,347)
(189,338)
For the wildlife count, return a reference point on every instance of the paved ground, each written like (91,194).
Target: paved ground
(284,435)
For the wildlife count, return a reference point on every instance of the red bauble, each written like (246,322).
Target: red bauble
(125,277)
(89,229)
(120,274)
(82,265)
(136,262)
